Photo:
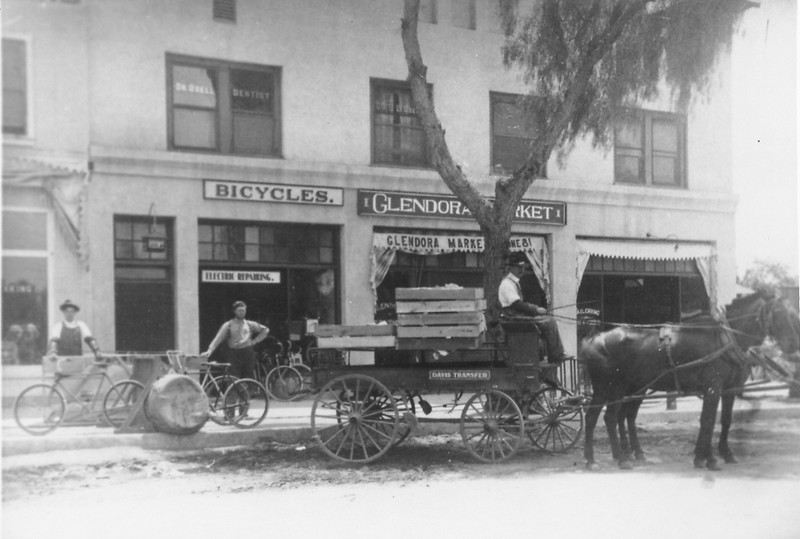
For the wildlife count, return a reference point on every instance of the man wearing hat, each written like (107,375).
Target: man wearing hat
(510,295)
(68,336)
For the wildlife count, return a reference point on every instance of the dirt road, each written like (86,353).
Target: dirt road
(417,487)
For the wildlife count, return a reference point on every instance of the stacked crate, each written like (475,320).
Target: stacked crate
(363,337)
(440,318)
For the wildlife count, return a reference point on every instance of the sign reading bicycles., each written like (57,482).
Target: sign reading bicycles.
(459,375)
(391,203)
(265,192)
(233,276)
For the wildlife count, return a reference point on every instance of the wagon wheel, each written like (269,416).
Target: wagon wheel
(555,422)
(492,426)
(355,419)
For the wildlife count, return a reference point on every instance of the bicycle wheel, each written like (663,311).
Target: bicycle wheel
(246,403)
(215,388)
(283,383)
(119,401)
(40,409)
(306,382)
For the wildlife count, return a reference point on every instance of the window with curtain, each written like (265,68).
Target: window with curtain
(511,134)
(650,150)
(223,107)
(397,134)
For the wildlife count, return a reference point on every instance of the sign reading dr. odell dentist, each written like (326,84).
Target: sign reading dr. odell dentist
(390,203)
(233,276)
(266,192)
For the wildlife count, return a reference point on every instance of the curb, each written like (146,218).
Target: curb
(304,434)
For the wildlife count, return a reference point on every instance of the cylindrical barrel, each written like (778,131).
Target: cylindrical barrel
(177,405)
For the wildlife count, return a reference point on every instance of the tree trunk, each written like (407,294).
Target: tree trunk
(495,250)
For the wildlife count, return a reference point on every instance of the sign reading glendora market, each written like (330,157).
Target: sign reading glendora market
(266,192)
(391,203)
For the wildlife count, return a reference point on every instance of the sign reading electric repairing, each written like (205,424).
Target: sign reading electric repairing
(392,203)
(265,192)
(233,276)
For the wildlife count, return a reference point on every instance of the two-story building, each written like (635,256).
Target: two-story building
(163,159)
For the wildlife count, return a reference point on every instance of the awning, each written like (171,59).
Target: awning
(64,178)
(646,250)
(703,254)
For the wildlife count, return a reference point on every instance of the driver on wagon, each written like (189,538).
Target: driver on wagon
(513,306)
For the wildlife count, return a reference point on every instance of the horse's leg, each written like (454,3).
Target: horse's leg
(702,450)
(611,419)
(725,419)
(631,412)
(592,415)
(624,444)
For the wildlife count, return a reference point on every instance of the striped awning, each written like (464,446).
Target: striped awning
(646,249)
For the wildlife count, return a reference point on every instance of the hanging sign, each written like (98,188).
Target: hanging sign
(391,203)
(234,276)
(266,192)
(447,243)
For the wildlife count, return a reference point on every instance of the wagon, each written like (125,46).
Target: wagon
(362,411)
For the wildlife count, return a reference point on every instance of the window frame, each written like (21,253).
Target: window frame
(374,84)
(29,133)
(509,98)
(223,112)
(646,119)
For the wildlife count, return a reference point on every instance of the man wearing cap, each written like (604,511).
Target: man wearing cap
(510,295)
(68,336)
(242,336)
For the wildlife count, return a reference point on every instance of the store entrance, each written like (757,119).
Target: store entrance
(267,303)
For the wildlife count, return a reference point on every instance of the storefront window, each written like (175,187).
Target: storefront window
(277,244)
(25,259)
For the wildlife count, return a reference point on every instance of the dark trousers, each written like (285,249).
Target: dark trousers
(243,362)
(547,326)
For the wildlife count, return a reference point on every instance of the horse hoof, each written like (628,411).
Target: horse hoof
(592,466)
(626,465)
(712,465)
(730,459)
(640,457)
(699,463)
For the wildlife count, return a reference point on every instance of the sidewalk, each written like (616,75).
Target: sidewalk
(290,422)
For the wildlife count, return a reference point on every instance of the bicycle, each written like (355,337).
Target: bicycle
(42,407)
(283,381)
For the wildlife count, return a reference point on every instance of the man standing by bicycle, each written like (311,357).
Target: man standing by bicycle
(242,336)
(68,336)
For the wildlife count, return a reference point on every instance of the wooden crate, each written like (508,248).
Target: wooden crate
(438,293)
(363,342)
(444,332)
(441,306)
(439,319)
(380,330)
(456,343)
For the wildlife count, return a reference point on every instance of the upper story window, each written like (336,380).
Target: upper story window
(651,150)
(15,88)
(223,107)
(224,10)
(463,12)
(398,137)
(511,135)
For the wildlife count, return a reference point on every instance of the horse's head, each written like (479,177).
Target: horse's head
(780,321)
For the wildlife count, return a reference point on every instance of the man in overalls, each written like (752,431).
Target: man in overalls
(68,336)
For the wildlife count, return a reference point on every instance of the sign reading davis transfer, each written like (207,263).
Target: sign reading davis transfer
(459,375)
(392,203)
(233,276)
(265,192)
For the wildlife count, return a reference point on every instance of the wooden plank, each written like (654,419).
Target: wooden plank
(355,331)
(440,293)
(435,306)
(472,330)
(366,342)
(464,343)
(439,319)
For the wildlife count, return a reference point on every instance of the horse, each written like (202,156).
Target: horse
(703,356)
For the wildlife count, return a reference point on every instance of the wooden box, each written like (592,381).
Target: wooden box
(438,293)
(380,330)
(358,342)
